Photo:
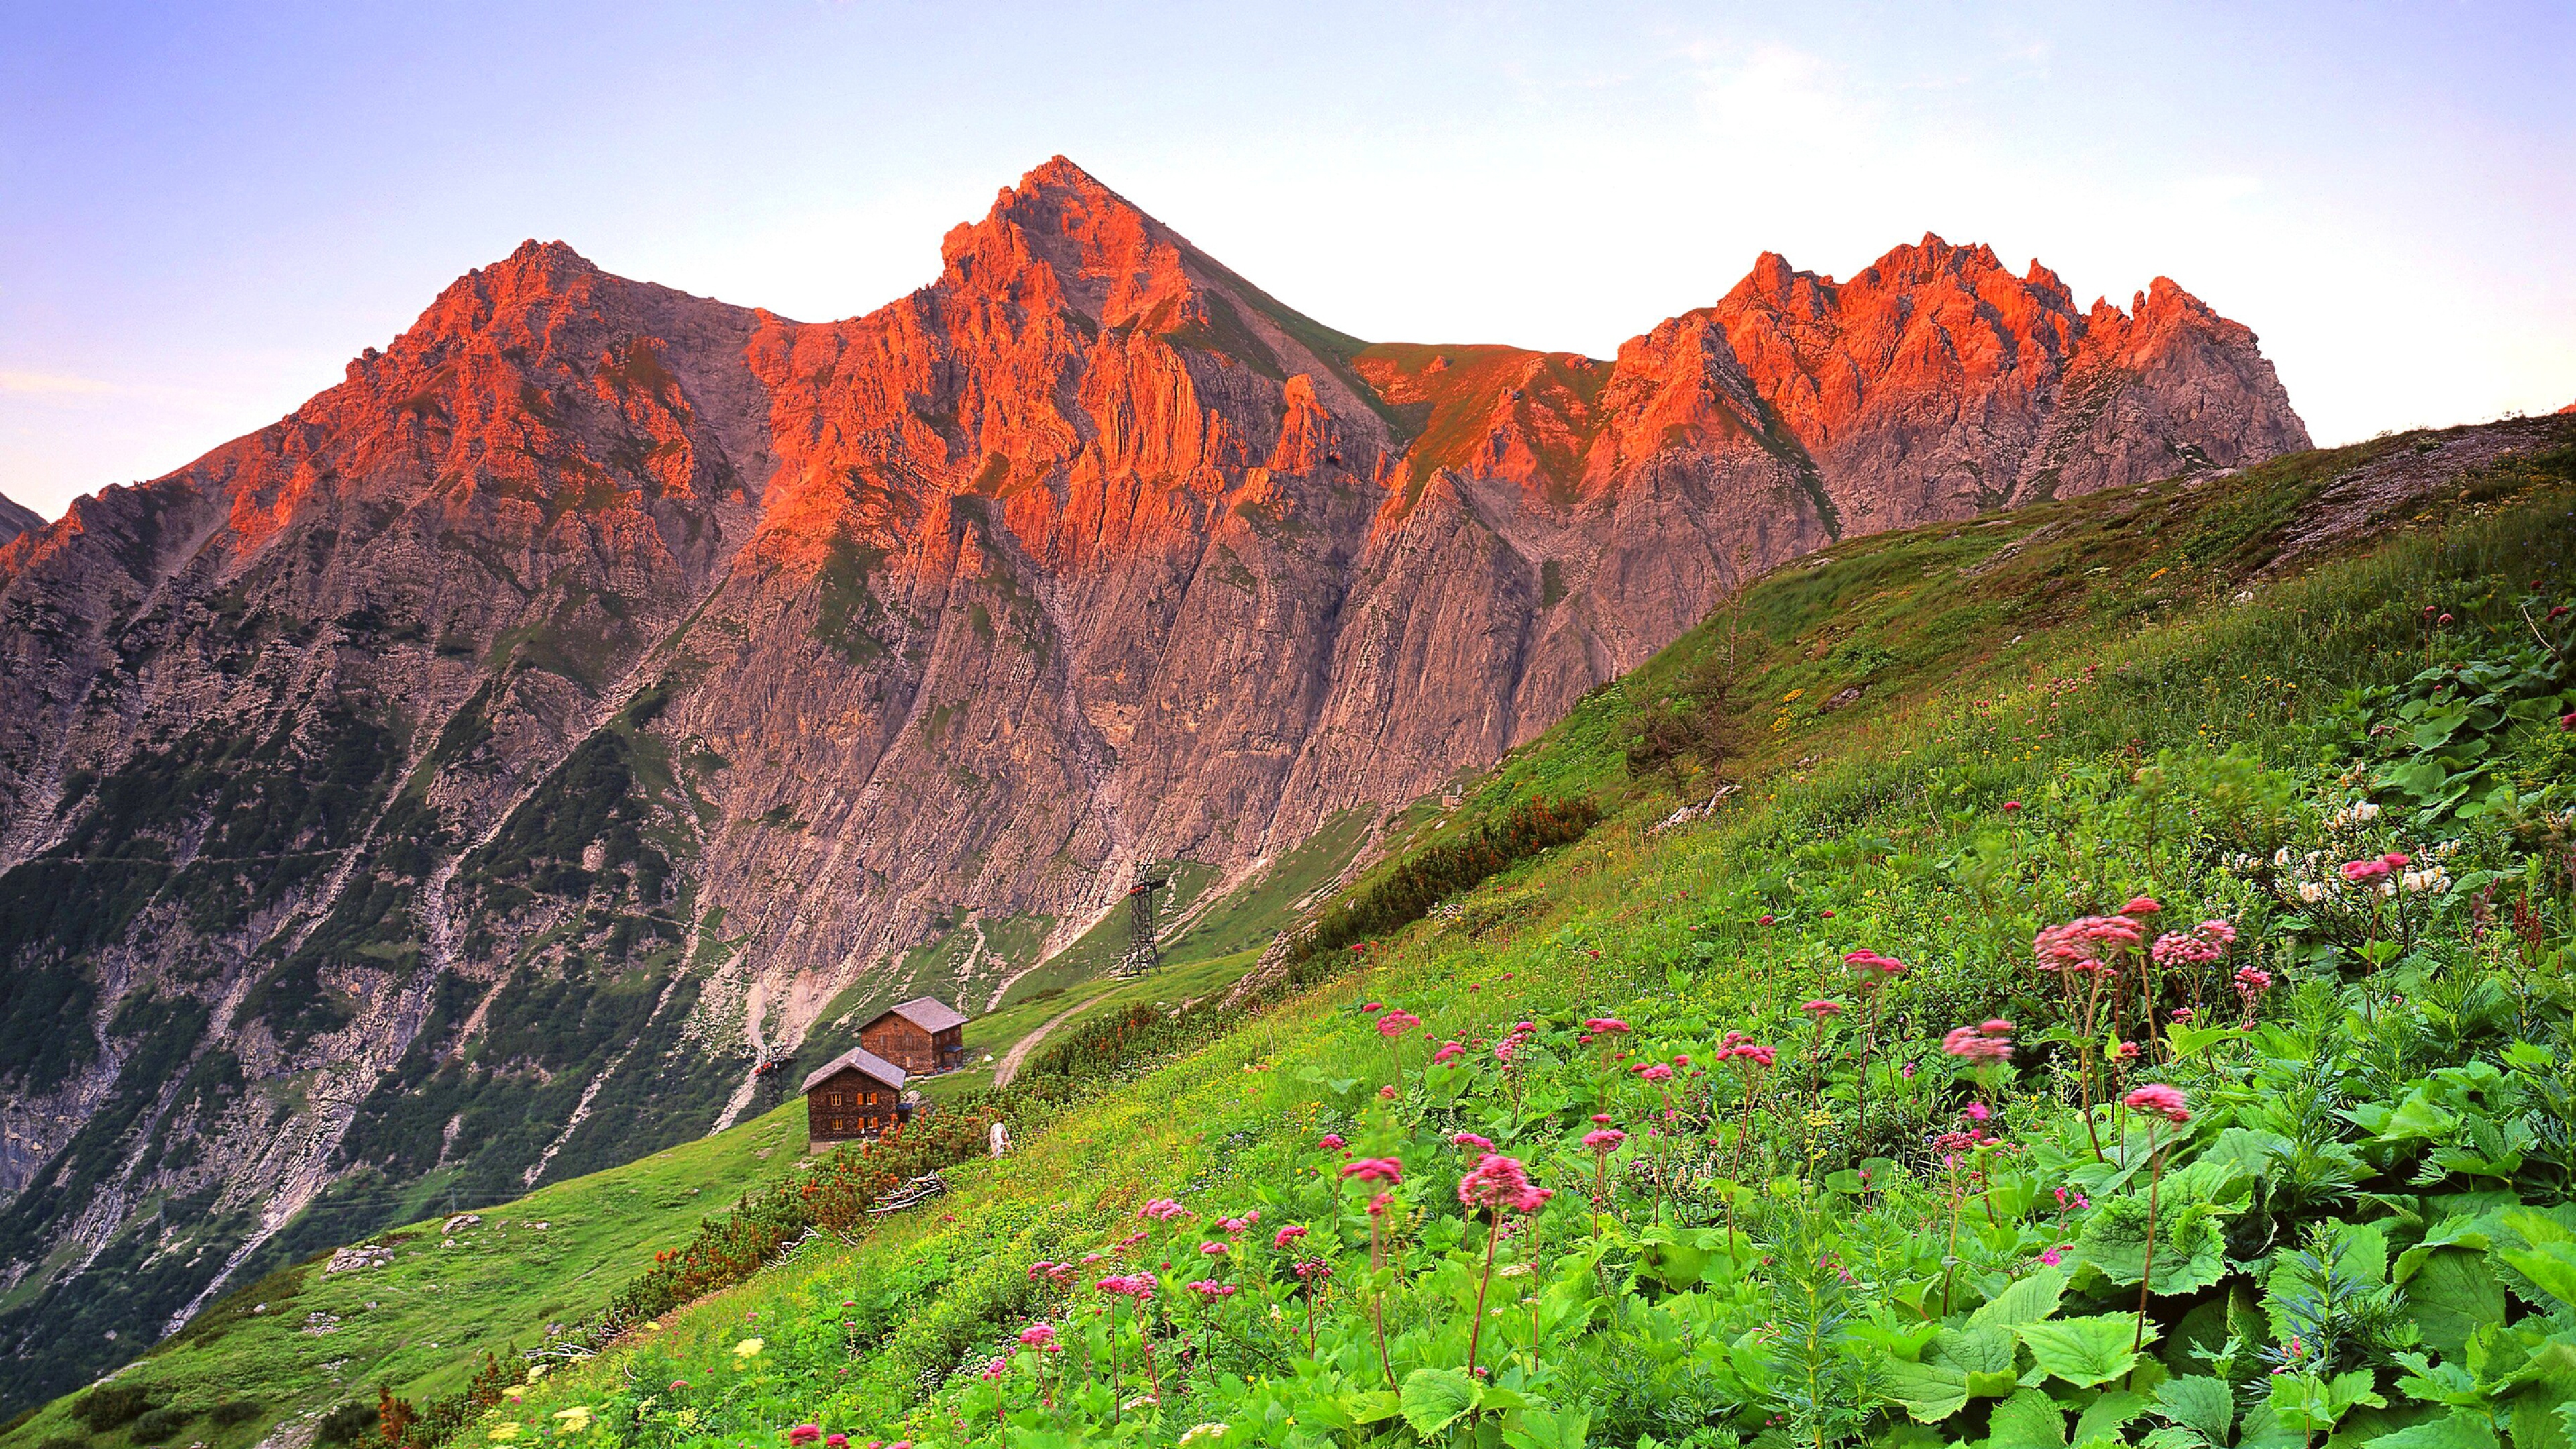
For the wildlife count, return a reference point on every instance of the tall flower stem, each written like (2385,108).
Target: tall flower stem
(2147,1274)
(1476,1327)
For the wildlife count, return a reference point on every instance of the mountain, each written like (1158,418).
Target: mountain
(468,779)
(16,518)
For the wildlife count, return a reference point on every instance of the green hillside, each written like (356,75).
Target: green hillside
(1927,747)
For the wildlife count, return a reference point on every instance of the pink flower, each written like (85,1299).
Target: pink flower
(1767,919)
(1038,1335)
(1287,1235)
(677,1385)
(1603,1117)
(2079,944)
(1823,1009)
(2253,981)
(1501,1184)
(1972,1044)
(1161,1210)
(2395,860)
(1138,1286)
(1449,1051)
(1604,1139)
(1386,1093)
(1470,1139)
(1374,1006)
(1212,1249)
(1995,1026)
(836,1441)
(1654,1071)
(1388,1170)
(2052,1257)
(2141,906)
(1827,915)
(2011,805)
(1312,1270)
(2160,1100)
(1209,1290)
(998,1368)
(1681,1060)
(1396,1023)
(1979,1112)
(1331,1142)
(1606,1026)
(1379,1204)
(804,1433)
(2359,871)
(1873,968)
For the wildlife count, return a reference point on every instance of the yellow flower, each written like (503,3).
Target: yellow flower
(536,1371)
(505,1433)
(747,1348)
(575,1419)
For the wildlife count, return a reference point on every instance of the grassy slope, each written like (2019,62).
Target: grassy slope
(1895,613)
(1958,712)
(423,1321)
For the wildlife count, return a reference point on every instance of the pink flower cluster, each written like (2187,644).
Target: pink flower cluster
(1470,1139)
(804,1434)
(1209,1290)
(1501,1184)
(1604,1139)
(2160,1100)
(2362,872)
(1331,1142)
(1988,1042)
(1040,1336)
(2080,944)
(2252,981)
(1059,1274)
(1236,1227)
(1823,1010)
(1739,1047)
(1388,1170)
(2207,942)
(1287,1235)
(1870,970)
(1606,1026)
(1138,1286)
(1653,1071)
(1161,1210)
(1396,1023)
(1449,1051)
(1510,1046)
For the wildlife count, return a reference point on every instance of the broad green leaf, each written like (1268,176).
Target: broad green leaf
(1929,1392)
(1961,1364)
(2453,1291)
(2028,1420)
(2460,1429)
(2200,1403)
(2031,1300)
(2106,1416)
(1540,1429)
(1370,1406)
(2550,1265)
(2085,1351)
(2190,1252)
(1433,1399)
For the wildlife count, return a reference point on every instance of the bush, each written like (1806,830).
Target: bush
(345,1424)
(111,1406)
(233,1411)
(1407,893)
(63,1441)
(155,1425)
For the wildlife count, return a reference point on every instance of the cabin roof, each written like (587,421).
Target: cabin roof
(861,1058)
(927,1012)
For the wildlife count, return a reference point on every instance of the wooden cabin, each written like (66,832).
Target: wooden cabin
(925,1036)
(856,1094)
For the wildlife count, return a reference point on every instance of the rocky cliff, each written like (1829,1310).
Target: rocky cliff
(16,518)
(468,778)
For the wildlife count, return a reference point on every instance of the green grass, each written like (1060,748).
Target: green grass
(2115,665)
(422,1322)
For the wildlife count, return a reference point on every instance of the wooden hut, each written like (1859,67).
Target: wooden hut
(856,1094)
(925,1036)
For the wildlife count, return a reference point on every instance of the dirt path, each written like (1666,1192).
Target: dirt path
(1009,1066)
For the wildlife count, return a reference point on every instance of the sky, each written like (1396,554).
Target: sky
(206,210)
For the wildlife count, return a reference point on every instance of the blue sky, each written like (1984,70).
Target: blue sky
(206,210)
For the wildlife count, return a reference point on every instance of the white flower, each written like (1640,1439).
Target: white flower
(2311,892)
(1203,1433)
(2364,811)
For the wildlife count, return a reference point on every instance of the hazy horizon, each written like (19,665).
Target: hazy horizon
(212,211)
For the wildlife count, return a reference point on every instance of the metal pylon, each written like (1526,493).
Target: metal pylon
(1143,956)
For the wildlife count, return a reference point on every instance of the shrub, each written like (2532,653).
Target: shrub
(345,1424)
(155,1425)
(233,1411)
(111,1406)
(1408,892)
(63,1441)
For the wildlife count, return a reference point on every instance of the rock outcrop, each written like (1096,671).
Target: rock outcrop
(16,518)
(605,689)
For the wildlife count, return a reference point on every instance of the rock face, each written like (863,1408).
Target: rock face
(16,518)
(477,772)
